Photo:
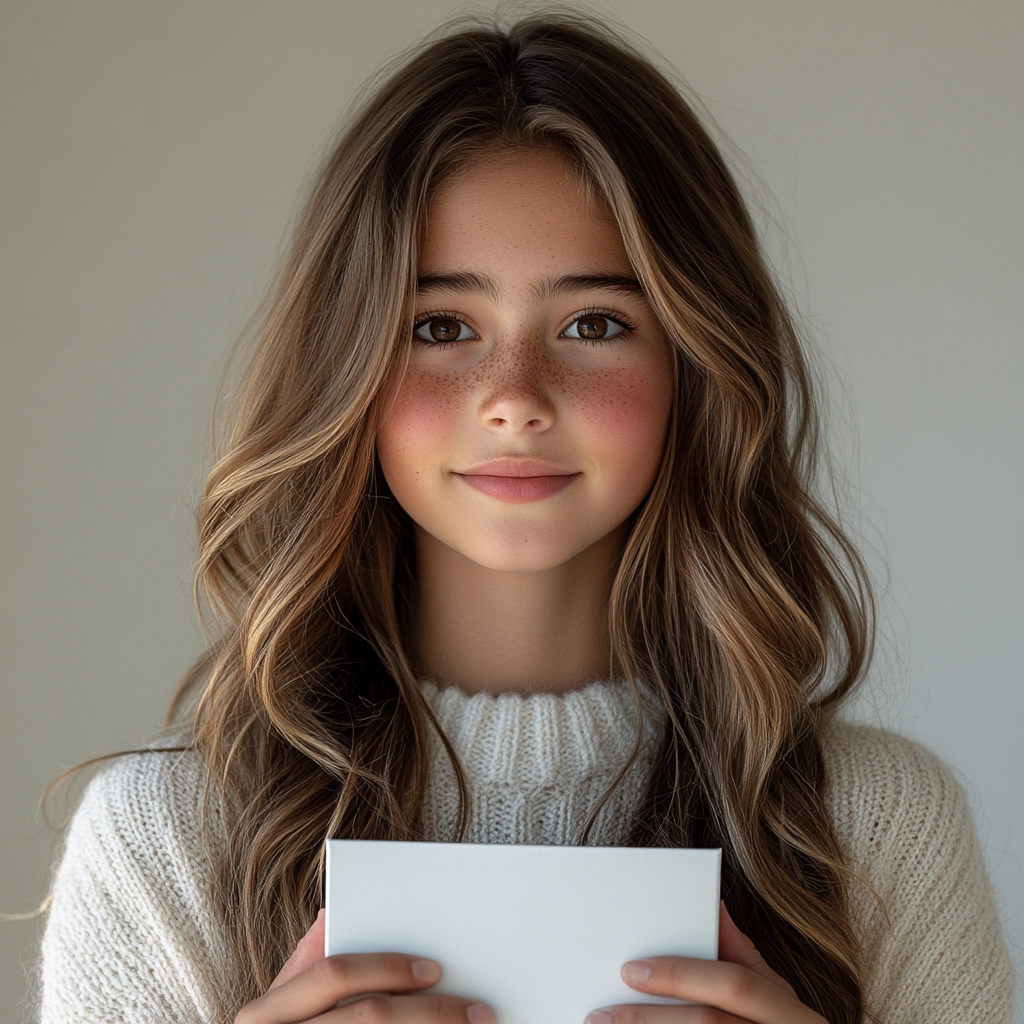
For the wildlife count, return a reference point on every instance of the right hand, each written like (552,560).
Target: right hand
(374,986)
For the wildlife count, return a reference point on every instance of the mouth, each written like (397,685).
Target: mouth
(518,480)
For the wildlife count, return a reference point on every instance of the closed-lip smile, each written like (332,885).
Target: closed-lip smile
(518,479)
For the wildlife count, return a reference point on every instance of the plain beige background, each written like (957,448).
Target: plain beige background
(152,153)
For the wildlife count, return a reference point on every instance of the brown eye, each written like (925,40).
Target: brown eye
(595,327)
(443,330)
(592,327)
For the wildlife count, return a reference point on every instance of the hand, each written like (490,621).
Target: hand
(738,988)
(370,988)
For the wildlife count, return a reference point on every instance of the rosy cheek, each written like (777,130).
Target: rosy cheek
(421,421)
(626,414)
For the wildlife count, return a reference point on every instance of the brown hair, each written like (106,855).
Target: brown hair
(738,599)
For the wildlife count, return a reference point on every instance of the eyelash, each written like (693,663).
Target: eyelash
(439,314)
(627,325)
(624,322)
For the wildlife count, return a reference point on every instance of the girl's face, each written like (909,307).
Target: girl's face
(533,416)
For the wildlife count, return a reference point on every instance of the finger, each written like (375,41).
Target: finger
(737,948)
(321,986)
(717,983)
(380,1008)
(306,953)
(645,1013)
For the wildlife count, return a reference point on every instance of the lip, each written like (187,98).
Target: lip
(523,467)
(518,480)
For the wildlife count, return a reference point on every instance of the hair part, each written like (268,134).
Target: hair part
(738,599)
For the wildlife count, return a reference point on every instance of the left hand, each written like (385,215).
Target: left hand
(738,988)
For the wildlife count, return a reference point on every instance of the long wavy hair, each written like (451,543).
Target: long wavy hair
(738,599)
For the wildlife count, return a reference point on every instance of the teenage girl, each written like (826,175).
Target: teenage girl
(512,538)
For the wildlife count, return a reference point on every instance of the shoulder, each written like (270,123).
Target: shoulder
(144,796)
(143,820)
(919,894)
(901,817)
(886,789)
(146,821)
(132,922)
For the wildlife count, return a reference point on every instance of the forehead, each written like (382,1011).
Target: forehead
(520,212)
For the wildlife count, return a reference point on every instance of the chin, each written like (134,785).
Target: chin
(519,553)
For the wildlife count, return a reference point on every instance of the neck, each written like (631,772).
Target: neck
(485,630)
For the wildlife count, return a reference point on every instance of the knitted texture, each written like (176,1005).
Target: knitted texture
(132,936)
(536,766)
(930,933)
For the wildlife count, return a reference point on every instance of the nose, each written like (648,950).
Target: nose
(517,398)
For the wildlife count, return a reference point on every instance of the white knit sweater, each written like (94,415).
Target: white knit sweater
(132,938)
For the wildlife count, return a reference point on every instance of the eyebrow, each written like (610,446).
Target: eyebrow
(478,284)
(481,284)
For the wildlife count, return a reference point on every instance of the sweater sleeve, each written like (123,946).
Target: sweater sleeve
(130,937)
(923,907)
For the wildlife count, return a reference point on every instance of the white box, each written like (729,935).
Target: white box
(537,932)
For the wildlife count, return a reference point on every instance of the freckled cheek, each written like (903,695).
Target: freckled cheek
(418,428)
(625,418)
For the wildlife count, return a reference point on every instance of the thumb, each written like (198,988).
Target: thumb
(306,953)
(737,948)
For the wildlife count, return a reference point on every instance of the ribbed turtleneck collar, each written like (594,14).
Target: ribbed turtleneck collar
(536,764)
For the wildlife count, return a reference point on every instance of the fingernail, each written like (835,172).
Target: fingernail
(637,971)
(479,1013)
(599,1017)
(426,970)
